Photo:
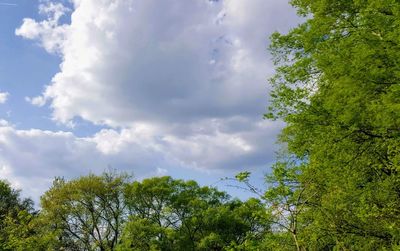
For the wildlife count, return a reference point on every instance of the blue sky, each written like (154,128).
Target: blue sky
(152,88)
(23,66)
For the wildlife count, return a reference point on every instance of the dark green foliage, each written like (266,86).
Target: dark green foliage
(109,212)
(338,89)
(86,213)
(14,213)
(169,214)
(11,202)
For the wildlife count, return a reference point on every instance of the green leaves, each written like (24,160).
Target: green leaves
(111,212)
(337,88)
(87,212)
(243,176)
(168,214)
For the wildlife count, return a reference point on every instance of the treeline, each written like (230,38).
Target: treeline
(112,212)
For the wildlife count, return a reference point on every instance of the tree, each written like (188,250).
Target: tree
(28,231)
(11,202)
(337,88)
(173,207)
(86,213)
(286,200)
(168,214)
(12,207)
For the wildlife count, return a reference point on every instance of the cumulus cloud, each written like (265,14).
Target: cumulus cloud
(49,33)
(182,82)
(30,159)
(4,97)
(158,61)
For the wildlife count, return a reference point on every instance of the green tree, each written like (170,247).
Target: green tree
(173,207)
(286,200)
(11,202)
(12,207)
(87,213)
(28,231)
(337,88)
(168,214)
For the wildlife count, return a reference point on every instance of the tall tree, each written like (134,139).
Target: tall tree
(11,202)
(12,207)
(337,87)
(87,213)
(168,214)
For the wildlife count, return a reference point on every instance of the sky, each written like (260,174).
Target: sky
(147,87)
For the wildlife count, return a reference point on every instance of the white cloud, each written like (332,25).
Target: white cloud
(150,60)
(49,33)
(235,143)
(30,159)
(4,97)
(36,101)
(181,82)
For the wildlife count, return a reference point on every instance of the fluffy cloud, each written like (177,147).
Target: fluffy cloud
(181,82)
(30,159)
(3,97)
(49,32)
(158,61)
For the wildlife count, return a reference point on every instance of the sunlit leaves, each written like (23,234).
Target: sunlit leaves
(337,88)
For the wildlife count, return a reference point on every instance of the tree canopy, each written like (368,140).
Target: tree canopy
(111,212)
(337,88)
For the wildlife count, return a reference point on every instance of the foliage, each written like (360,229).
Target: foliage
(337,88)
(109,212)
(87,213)
(13,211)
(286,199)
(169,214)
(29,232)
